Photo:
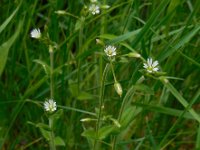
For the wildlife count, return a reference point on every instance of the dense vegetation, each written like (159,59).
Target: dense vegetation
(93,59)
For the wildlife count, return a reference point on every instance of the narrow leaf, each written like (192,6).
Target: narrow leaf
(6,22)
(4,48)
(180,98)
(185,39)
(59,141)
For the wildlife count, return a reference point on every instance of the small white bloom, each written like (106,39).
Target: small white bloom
(50,105)
(110,51)
(35,33)
(94,9)
(151,66)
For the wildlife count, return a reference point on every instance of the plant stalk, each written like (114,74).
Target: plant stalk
(101,101)
(51,141)
(51,71)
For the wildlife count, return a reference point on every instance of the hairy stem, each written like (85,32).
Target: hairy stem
(101,101)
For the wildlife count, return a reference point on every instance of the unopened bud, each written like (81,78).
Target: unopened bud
(50,49)
(60,12)
(164,79)
(134,54)
(116,122)
(118,88)
(87,119)
(105,6)
(93,1)
(98,41)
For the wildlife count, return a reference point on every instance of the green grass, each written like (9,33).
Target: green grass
(155,112)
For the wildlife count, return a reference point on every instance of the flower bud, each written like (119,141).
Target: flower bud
(87,119)
(98,41)
(50,49)
(105,6)
(60,12)
(118,88)
(134,54)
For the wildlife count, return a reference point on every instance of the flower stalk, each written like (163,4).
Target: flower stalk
(51,52)
(101,101)
(51,141)
(51,70)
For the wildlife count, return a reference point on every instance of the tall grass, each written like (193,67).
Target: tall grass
(155,111)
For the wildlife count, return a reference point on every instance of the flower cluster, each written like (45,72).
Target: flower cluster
(50,105)
(151,66)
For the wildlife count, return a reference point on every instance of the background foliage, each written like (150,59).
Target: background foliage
(158,115)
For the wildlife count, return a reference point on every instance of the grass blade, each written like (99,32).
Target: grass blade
(4,48)
(180,99)
(6,22)
(169,51)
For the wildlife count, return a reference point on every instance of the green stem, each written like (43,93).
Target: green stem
(51,71)
(101,101)
(102,31)
(51,141)
(114,143)
(120,116)
(112,68)
(80,50)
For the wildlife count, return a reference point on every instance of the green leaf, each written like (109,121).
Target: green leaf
(6,22)
(46,134)
(124,36)
(105,131)
(43,126)
(73,87)
(143,88)
(185,39)
(102,134)
(85,96)
(179,98)
(164,110)
(198,139)
(59,141)
(89,133)
(44,65)
(153,18)
(5,47)
(128,115)
(57,114)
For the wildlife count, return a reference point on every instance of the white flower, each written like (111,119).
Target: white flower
(50,105)
(151,66)
(94,9)
(35,33)
(110,51)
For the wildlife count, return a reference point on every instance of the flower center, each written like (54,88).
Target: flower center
(110,52)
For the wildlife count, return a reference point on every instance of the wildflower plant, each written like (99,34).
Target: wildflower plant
(115,95)
(49,105)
